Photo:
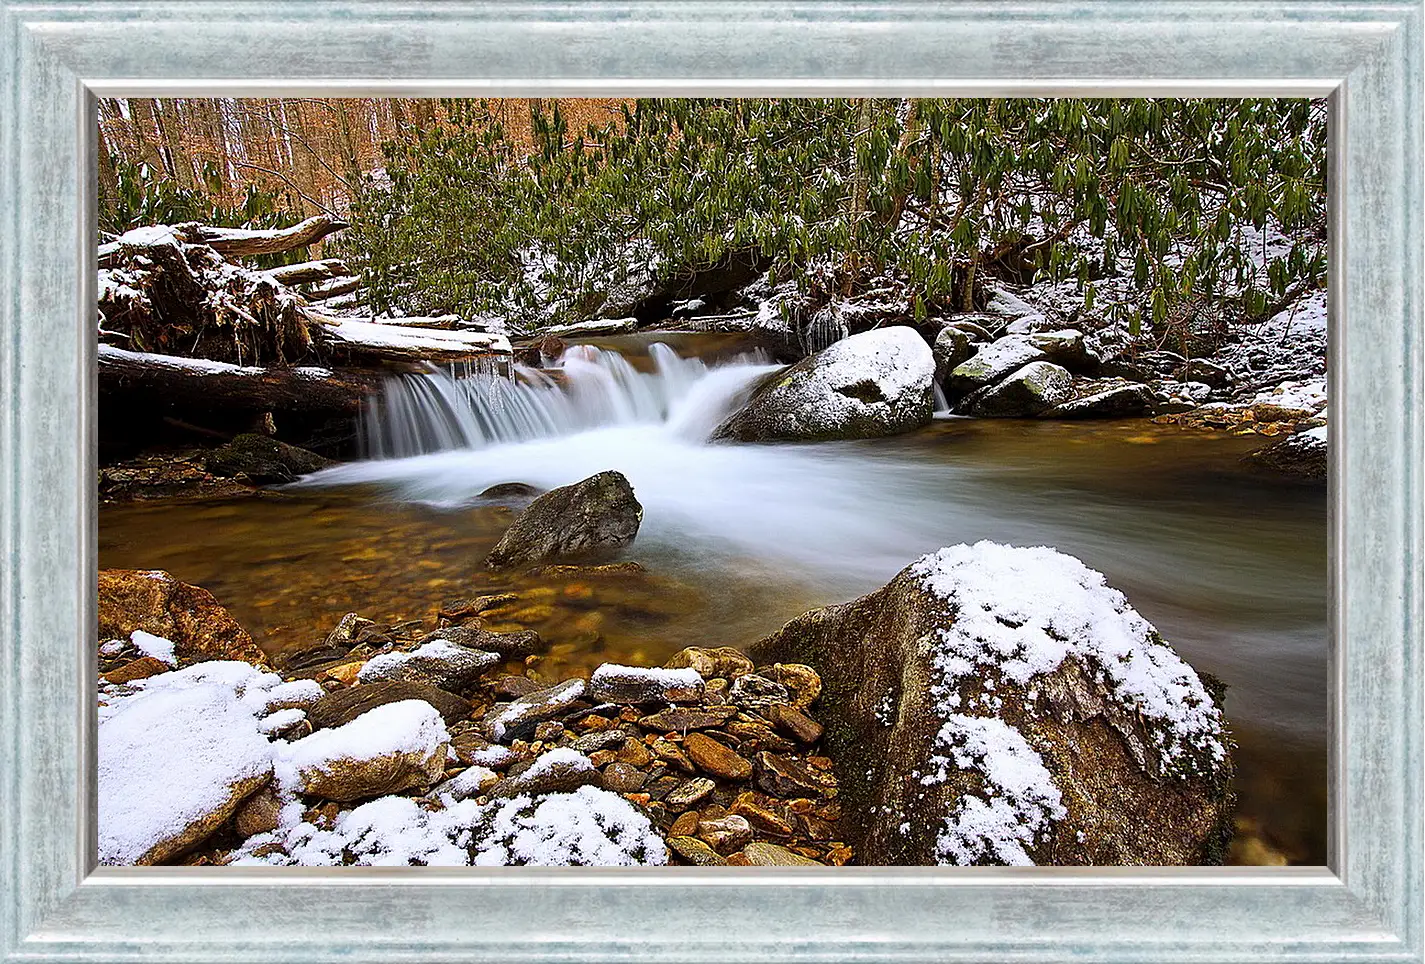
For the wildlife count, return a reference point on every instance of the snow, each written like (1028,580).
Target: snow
(112,648)
(156,646)
(1017,804)
(1306,395)
(1021,612)
(998,358)
(608,326)
(300,693)
(403,727)
(365,334)
(564,693)
(437,656)
(466,783)
(281,720)
(616,683)
(589,827)
(171,751)
(203,366)
(562,758)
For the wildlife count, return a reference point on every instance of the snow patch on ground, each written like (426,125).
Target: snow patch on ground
(156,646)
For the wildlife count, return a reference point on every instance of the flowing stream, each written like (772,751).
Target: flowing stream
(737,539)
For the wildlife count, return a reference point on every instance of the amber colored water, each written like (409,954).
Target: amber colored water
(1230,567)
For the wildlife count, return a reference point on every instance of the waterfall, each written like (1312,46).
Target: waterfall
(476,405)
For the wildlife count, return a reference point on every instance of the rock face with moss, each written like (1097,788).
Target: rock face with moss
(871,385)
(591,519)
(264,460)
(998,705)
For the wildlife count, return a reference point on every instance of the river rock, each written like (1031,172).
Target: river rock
(754,692)
(504,721)
(802,682)
(871,385)
(990,364)
(622,778)
(683,718)
(141,668)
(509,645)
(977,326)
(761,853)
(264,460)
(155,602)
(715,757)
(1004,706)
(612,683)
(1066,347)
(689,793)
(952,348)
(1106,398)
(437,663)
(725,834)
(1299,456)
(794,723)
(695,852)
(592,518)
(341,706)
(557,771)
(385,750)
(721,662)
(600,740)
(1032,390)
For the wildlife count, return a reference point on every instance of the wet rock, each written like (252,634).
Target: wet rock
(870,385)
(613,683)
(1106,398)
(761,853)
(670,752)
(725,834)
(635,754)
(992,363)
(689,793)
(953,347)
(595,517)
(513,687)
(264,460)
(802,682)
(155,602)
(761,812)
(437,663)
(683,719)
(723,661)
(754,692)
(504,722)
(511,491)
(548,731)
(782,776)
(141,668)
(1050,754)
(603,740)
(470,607)
(509,645)
(716,758)
(1032,390)
(344,705)
(759,736)
(557,771)
(1299,456)
(622,778)
(794,723)
(695,852)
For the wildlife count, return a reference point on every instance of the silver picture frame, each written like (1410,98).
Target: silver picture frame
(60,55)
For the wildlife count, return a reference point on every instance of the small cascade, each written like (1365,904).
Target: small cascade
(479,403)
(942,404)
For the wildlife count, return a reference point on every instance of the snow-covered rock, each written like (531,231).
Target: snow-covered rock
(1299,456)
(384,750)
(1066,347)
(437,663)
(1107,398)
(177,753)
(991,363)
(505,720)
(557,770)
(953,346)
(870,385)
(1004,705)
(1032,390)
(612,683)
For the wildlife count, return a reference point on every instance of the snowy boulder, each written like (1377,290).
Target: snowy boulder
(612,683)
(999,705)
(558,770)
(952,348)
(1107,398)
(190,618)
(1066,347)
(992,363)
(505,721)
(590,519)
(385,750)
(1299,456)
(871,385)
(177,758)
(1032,390)
(437,663)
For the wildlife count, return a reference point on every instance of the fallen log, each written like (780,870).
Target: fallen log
(334,288)
(370,341)
(309,271)
(202,384)
(437,322)
(246,242)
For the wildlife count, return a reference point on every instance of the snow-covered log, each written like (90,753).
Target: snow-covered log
(334,288)
(309,271)
(246,243)
(203,384)
(393,342)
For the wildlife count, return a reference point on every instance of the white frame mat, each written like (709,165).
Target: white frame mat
(59,56)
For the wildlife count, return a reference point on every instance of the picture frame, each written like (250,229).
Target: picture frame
(60,56)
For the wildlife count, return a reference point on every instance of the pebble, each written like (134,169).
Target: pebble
(760,814)
(753,692)
(716,758)
(722,661)
(759,736)
(141,668)
(782,776)
(549,730)
(725,834)
(695,852)
(802,682)
(760,853)
(689,793)
(682,719)
(634,753)
(622,778)
(668,750)
(686,825)
(599,740)
(793,722)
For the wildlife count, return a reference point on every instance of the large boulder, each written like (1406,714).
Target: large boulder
(264,460)
(870,385)
(189,617)
(998,705)
(953,346)
(1068,348)
(587,520)
(1032,390)
(1107,398)
(1299,456)
(992,363)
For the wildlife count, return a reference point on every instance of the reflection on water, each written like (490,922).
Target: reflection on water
(738,539)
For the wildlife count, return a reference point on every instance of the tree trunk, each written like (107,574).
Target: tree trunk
(244,243)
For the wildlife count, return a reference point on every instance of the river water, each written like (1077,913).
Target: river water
(737,539)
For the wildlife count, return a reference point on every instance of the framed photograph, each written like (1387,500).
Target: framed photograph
(697,481)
